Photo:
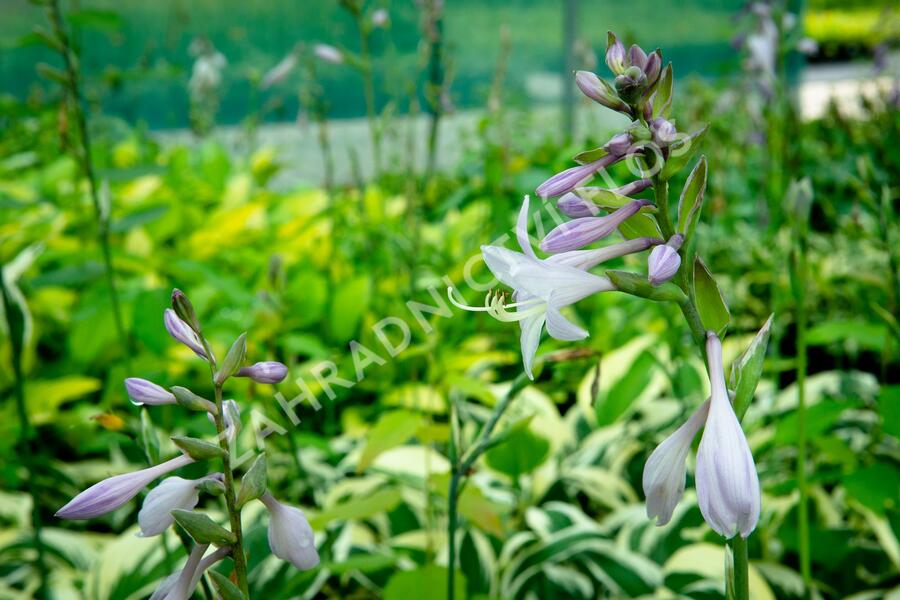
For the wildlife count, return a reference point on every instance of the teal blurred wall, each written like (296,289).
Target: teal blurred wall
(139,65)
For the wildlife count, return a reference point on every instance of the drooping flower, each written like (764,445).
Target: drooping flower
(155,515)
(183,333)
(291,537)
(269,371)
(109,494)
(665,470)
(727,482)
(181,584)
(664,261)
(586,230)
(541,289)
(140,391)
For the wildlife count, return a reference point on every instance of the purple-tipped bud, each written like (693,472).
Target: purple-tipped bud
(619,144)
(663,132)
(140,391)
(598,90)
(664,261)
(637,57)
(635,187)
(182,332)
(653,67)
(568,180)
(264,372)
(110,494)
(328,54)
(575,206)
(581,232)
(615,54)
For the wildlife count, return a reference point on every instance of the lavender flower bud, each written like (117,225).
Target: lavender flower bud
(619,144)
(329,54)
(599,91)
(568,180)
(637,57)
(653,67)
(575,206)
(615,54)
(111,493)
(180,330)
(264,372)
(140,391)
(663,132)
(155,515)
(185,310)
(586,230)
(662,264)
(635,187)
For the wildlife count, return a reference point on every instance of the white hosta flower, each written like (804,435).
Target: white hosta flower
(291,537)
(727,482)
(542,289)
(665,470)
(181,584)
(155,515)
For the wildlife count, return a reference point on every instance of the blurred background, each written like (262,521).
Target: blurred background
(303,170)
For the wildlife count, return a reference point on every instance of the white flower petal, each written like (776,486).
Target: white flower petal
(155,515)
(727,482)
(291,537)
(561,328)
(665,470)
(530,339)
(522,230)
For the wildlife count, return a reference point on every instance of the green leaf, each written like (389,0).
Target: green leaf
(425,583)
(860,332)
(198,449)
(876,487)
(662,98)
(203,529)
(253,484)
(710,303)
(382,501)
(349,303)
(233,360)
(626,390)
(521,453)
(392,429)
(889,409)
(105,20)
(746,370)
(226,589)
(148,305)
(682,151)
(691,201)
(589,156)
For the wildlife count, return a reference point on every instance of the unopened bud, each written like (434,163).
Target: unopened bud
(619,144)
(637,57)
(264,372)
(653,67)
(664,261)
(185,310)
(599,91)
(192,401)
(664,131)
(576,207)
(615,53)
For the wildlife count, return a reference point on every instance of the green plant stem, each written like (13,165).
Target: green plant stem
(26,440)
(741,577)
(234,513)
(460,468)
(77,104)
(369,90)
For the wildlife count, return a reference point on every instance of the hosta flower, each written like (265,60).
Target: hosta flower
(181,584)
(155,515)
(291,537)
(664,261)
(586,230)
(268,371)
(599,91)
(541,289)
(183,333)
(665,470)
(140,391)
(571,178)
(110,494)
(727,483)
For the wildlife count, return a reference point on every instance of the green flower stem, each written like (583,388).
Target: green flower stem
(460,468)
(73,88)
(234,513)
(740,575)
